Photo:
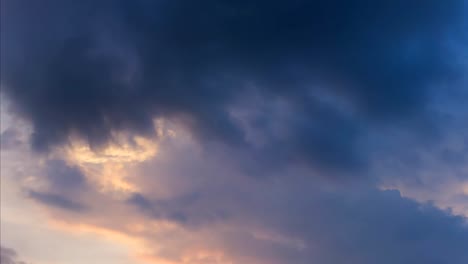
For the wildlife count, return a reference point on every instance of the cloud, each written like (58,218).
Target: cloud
(9,139)
(92,69)
(56,200)
(289,217)
(192,205)
(186,106)
(9,256)
(292,221)
(62,176)
(61,186)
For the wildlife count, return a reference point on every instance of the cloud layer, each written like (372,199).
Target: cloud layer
(243,131)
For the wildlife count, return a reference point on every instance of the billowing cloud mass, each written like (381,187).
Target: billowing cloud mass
(92,68)
(224,131)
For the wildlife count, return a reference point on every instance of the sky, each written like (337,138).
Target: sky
(233,131)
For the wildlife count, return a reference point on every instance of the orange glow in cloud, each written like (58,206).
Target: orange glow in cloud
(120,151)
(144,252)
(108,170)
(108,167)
(134,244)
(192,257)
(465,188)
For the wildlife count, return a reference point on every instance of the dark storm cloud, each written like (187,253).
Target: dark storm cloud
(9,256)
(92,68)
